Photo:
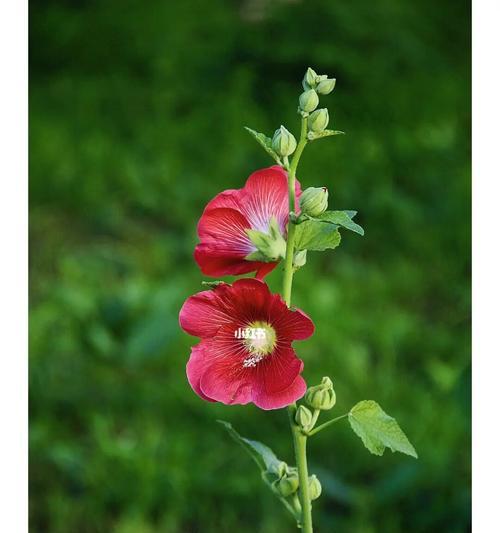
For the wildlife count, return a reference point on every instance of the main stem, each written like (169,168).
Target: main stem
(299,439)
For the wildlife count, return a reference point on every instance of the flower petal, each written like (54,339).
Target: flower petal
(279,370)
(294,392)
(195,368)
(264,269)
(215,262)
(291,324)
(225,228)
(228,383)
(202,314)
(267,191)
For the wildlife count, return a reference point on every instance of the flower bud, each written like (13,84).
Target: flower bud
(308,100)
(303,417)
(287,485)
(309,81)
(326,86)
(314,488)
(283,142)
(299,259)
(314,201)
(318,120)
(321,396)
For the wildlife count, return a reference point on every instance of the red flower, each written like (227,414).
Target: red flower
(224,243)
(245,354)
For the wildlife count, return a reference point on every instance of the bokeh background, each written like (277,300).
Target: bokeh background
(136,120)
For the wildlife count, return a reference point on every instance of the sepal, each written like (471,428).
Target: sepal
(270,246)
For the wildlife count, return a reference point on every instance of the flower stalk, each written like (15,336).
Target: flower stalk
(299,439)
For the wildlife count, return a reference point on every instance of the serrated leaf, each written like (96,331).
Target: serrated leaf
(378,430)
(313,135)
(316,236)
(341,218)
(260,453)
(265,142)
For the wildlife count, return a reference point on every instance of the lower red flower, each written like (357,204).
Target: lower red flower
(224,243)
(245,354)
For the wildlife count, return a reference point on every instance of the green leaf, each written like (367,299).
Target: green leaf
(378,430)
(317,236)
(313,135)
(341,218)
(265,142)
(260,453)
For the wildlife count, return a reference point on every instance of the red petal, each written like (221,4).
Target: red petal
(267,191)
(195,369)
(216,263)
(264,269)
(202,315)
(224,229)
(278,371)
(225,379)
(250,299)
(294,392)
(231,198)
(293,324)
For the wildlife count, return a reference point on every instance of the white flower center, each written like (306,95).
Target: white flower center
(259,339)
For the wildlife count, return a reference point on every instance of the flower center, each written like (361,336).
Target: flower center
(259,338)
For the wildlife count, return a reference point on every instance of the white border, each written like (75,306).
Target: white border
(486,265)
(14,264)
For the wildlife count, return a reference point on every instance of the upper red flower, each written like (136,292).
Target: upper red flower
(245,354)
(224,243)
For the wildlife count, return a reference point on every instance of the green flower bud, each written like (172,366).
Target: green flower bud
(314,201)
(321,396)
(287,485)
(309,81)
(314,487)
(308,100)
(318,120)
(299,259)
(303,417)
(283,142)
(326,86)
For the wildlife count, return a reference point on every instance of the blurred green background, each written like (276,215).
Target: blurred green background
(136,120)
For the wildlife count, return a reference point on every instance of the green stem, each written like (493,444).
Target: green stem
(300,445)
(325,425)
(299,439)
(288,276)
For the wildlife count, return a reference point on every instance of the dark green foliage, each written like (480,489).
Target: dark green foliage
(136,120)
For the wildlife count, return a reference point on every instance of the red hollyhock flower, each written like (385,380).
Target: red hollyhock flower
(224,243)
(245,354)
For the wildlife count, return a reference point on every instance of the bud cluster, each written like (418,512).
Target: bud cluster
(315,85)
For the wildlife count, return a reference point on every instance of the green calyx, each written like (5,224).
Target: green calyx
(303,418)
(270,246)
(283,142)
(308,101)
(318,120)
(325,86)
(321,396)
(288,484)
(314,201)
(314,487)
